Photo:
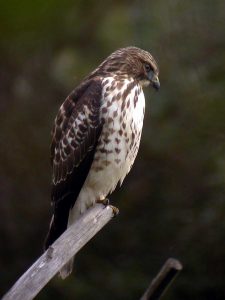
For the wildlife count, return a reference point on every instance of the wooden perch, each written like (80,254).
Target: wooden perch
(163,279)
(64,248)
(67,245)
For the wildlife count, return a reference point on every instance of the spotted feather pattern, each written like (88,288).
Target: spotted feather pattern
(74,138)
(75,132)
(122,113)
(96,136)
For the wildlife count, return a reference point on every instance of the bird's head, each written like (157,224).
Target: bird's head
(132,62)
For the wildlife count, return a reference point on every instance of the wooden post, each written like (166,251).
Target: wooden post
(162,280)
(57,255)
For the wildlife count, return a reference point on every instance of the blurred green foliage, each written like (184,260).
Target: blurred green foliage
(173,201)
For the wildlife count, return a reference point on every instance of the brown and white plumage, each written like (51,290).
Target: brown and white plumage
(96,135)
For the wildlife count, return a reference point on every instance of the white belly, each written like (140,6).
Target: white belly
(118,145)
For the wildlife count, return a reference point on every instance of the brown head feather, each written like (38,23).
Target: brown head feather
(129,61)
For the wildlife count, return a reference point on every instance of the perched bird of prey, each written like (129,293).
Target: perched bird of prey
(96,136)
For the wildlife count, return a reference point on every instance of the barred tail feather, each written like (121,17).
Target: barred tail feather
(58,222)
(74,215)
(67,269)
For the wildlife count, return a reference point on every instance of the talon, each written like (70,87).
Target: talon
(104,201)
(115,210)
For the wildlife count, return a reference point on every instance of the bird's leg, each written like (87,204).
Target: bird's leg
(105,202)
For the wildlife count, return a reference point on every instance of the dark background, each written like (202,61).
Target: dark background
(173,201)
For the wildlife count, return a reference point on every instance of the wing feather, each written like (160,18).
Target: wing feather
(74,138)
(77,127)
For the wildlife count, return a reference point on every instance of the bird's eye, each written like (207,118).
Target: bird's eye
(148,68)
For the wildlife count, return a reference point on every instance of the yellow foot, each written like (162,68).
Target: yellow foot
(104,201)
(115,210)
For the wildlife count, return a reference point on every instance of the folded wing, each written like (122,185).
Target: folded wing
(75,135)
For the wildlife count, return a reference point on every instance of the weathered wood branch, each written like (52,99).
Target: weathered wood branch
(162,280)
(67,245)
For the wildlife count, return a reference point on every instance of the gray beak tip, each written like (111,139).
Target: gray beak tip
(156,85)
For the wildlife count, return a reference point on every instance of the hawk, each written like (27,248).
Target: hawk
(96,136)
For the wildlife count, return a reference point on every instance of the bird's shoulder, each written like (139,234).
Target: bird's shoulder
(76,128)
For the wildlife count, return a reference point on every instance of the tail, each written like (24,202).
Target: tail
(58,225)
(67,269)
(61,219)
(54,232)
(73,217)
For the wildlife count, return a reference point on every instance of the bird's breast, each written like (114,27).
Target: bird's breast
(122,113)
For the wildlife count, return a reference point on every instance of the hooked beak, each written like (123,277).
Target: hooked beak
(155,82)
